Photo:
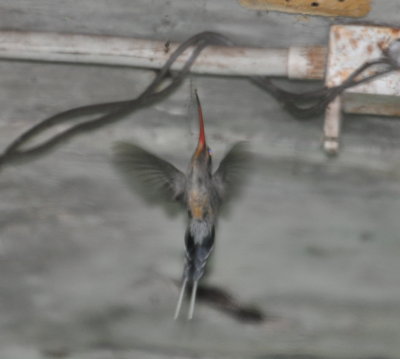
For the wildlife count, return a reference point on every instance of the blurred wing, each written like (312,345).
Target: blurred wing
(153,172)
(232,171)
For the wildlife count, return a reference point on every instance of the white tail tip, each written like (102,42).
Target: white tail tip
(180,299)
(192,300)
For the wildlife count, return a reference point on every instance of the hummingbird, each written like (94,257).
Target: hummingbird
(200,190)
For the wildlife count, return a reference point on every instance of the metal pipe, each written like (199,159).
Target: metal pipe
(304,62)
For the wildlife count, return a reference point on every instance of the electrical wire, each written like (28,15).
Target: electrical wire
(297,104)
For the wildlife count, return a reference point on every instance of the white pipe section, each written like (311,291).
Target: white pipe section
(107,50)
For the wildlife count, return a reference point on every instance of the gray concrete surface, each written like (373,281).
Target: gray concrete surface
(87,266)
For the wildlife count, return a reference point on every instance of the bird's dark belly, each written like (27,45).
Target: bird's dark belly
(199,242)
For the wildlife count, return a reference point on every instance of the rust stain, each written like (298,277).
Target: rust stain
(316,59)
(344,74)
(395,32)
(346,31)
(353,43)
(336,33)
(383,44)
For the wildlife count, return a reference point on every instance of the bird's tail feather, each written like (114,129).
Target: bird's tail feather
(180,299)
(197,255)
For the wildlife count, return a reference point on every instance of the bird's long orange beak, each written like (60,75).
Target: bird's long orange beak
(201,146)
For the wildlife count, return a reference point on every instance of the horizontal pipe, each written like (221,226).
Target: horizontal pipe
(305,62)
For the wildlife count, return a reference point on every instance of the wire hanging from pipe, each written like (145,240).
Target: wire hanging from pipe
(110,112)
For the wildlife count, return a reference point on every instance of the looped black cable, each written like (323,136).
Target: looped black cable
(294,102)
(110,112)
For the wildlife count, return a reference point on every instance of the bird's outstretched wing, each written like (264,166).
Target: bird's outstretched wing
(155,174)
(232,171)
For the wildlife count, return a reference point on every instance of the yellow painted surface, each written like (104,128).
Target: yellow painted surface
(349,8)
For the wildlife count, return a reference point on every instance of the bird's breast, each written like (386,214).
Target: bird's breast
(199,204)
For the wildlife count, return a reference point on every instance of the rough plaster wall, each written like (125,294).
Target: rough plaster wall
(86,265)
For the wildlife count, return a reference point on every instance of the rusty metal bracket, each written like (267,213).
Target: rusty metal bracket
(350,46)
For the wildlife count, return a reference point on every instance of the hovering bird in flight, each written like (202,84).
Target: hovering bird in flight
(199,190)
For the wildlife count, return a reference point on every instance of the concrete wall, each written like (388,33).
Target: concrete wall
(87,267)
